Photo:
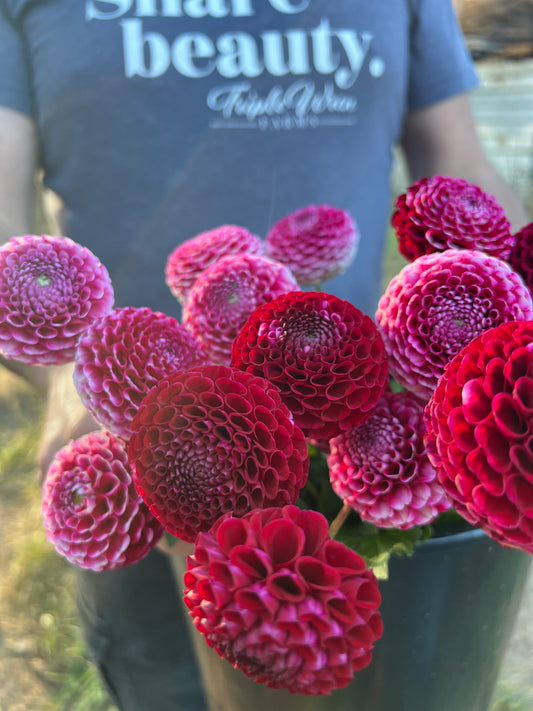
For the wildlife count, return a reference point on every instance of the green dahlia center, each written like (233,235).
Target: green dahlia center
(44,280)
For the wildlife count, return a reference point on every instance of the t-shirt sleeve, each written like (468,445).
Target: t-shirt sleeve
(440,63)
(15,92)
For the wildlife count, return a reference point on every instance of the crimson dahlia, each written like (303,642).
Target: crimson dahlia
(51,289)
(317,243)
(276,597)
(521,257)
(382,470)
(440,213)
(125,353)
(226,293)
(440,302)
(190,258)
(480,433)
(92,514)
(324,355)
(211,440)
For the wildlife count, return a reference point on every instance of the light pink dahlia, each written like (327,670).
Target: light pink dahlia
(438,304)
(51,289)
(480,433)
(324,355)
(190,258)
(382,470)
(226,293)
(440,213)
(212,440)
(91,511)
(521,257)
(277,598)
(317,243)
(124,354)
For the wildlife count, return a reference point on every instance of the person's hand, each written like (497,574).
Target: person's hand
(66,417)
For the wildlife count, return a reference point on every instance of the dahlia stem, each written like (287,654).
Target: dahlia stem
(339,519)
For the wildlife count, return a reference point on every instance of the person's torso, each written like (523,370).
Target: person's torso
(163,118)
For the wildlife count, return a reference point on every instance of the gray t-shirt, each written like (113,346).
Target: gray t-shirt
(159,119)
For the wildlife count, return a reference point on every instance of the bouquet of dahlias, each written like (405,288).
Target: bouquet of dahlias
(294,440)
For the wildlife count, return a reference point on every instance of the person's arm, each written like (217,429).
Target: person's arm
(18,167)
(441,139)
(66,418)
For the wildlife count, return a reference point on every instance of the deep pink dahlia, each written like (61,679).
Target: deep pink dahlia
(324,355)
(382,470)
(521,257)
(91,512)
(51,289)
(439,213)
(226,293)
(188,260)
(480,433)
(440,302)
(124,354)
(317,243)
(277,598)
(211,440)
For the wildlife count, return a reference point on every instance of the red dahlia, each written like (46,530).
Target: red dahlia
(188,260)
(438,304)
(480,433)
(211,440)
(124,354)
(324,355)
(317,243)
(521,257)
(51,289)
(226,293)
(91,511)
(276,597)
(441,213)
(382,470)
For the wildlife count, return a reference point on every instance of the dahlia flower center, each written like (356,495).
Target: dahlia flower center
(374,443)
(307,333)
(43,280)
(454,323)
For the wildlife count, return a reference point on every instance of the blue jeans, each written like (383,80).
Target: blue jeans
(135,630)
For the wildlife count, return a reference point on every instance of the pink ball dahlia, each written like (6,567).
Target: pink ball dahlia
(439,213)
(92,514)
(277,598)
(190,258)
(226,293)
(382,470)
(480,433)
(440,302)
(51,289)
(212,440)
(324,355)
(317,243)
(124,354)
(521,257)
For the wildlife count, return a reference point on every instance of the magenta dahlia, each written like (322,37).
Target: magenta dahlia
(92,514)
(124,354)
(51,289)
(440,302)
(277,598)
(212,440)
(440,213)
(317,243)
(190,258)
(521,257)
(226,293)
(382,470)
(480,433)
(324,355)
